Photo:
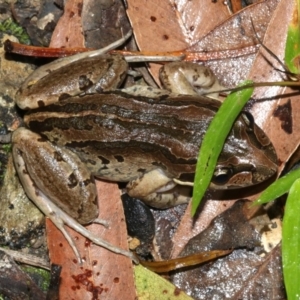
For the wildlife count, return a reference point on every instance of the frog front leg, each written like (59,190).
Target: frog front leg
(158,190)
(51,174)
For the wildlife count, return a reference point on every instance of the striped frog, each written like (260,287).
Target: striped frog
(79,126)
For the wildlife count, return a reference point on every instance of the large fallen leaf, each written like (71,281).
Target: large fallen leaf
(68,32)
(189,227)
(103,274)
(236,35)
(240,275)
(169,26)
(231,230)
(202,26)
(276,115)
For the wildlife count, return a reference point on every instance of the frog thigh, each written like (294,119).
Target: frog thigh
(156,189)
(58,173)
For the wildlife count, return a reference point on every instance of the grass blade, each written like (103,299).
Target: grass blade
(292,49)
(291,243)
(278,188)
(214,140)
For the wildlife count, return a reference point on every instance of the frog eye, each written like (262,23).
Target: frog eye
(221,176)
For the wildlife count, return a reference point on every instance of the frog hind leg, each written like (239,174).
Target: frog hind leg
(60,218)
(43,202)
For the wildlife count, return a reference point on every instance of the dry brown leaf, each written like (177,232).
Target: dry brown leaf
(240,275)
(232,230)
(229,230)
(237,32)
(68,31)
(189,227)
(169,26)
(214,30)
(103,274)
(277,116)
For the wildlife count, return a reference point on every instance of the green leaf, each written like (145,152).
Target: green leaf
(214,140)
(292,47)
(291,242)
(150,286)
(291,182)
(278,188)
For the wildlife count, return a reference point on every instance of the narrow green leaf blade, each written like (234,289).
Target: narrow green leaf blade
(214,139)
(292,47)
(278,188)
(291,242)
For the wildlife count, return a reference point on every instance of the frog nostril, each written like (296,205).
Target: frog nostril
(119,158)
(41,103)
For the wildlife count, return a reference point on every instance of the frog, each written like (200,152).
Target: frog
(79,126)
